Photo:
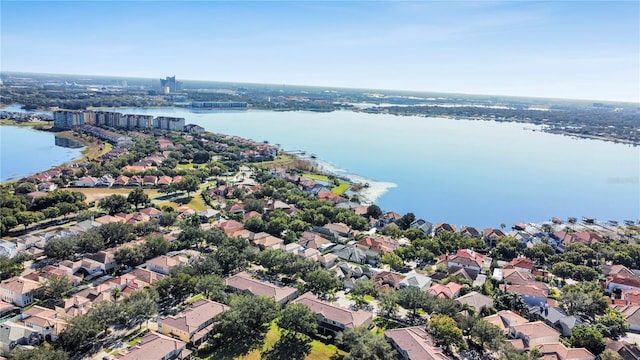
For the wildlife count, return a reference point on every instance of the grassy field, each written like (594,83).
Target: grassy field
(26,123)
(94,194)
(279,160)
(338,190)
(319,350)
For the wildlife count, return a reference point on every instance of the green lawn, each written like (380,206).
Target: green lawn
(338,190)
(279,160)
(319,350)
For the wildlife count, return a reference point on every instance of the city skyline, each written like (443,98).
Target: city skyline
(574,50)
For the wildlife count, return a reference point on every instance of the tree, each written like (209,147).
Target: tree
(584,299)
(412,299)
(253,205)
(290,346)
(609,354)
(138,197)
(116,233)
(212,286)
(27,218)
(322,282)
(247,322)
(612,324)
(487,335)
(364,287)
(508,248)
(10,267)
(60,248)
(388,302)
(298,318)
(588,337)
(406,220)
(56,287)
(374,211)
(155,245)
(114,204)
(563,269)
(393,260)
(364,345)
(167,218)
(445,331)
(188,184)
(130,256)
(43,352)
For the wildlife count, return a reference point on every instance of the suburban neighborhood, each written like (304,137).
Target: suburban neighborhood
(177,243)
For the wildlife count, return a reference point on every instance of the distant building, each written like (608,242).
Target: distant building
(170,85)
(219,105)
(69,119)
(169,123)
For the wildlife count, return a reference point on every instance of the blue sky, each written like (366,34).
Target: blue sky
(569,49)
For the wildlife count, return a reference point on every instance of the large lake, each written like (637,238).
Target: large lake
(475,173)
(24,151)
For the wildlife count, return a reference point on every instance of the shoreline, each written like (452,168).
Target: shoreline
(91,149)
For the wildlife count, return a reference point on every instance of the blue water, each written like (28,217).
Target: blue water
(24,151)
(475,173)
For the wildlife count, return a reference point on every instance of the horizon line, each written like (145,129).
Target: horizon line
(335,87)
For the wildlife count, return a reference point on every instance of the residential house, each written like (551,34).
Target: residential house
(34,195)
(163,264)
(631,296)
(121,181)
(47,186)
(389,278)
(532,294)
(12,335)
(229,226)
(632,315)
(622,282)
(313,240)
(86,181)
(517,277)
(327,260)
(151,212)
(557,318)
(557,351)
(150,181)
(18,291)
(244,282)
(267,241)
(373,247)
(467,259)
(440,227)
(477,301)
(350,253)
(470,232)
(520,263)
(341,229)
(491,236)
(505,319)
(193,324)
(415,280)
(106,259)
(534,334)
(47,322)
(422,225)
(154,346)
(413,343)
(105,181)
(332,318)
(164,181)
(449,291)
(626,350)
